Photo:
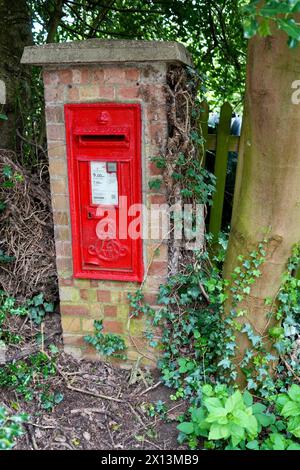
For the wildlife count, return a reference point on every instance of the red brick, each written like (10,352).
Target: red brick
(114,75)
(132,74)
(103,296)
(153,170)
(84,294)
(73,94)
(50,78)
(66,282)
(110,326)
(158,268)
(158,199)
(106,92)
(64,76)
(97,75)
(150,298)
(74,340)
(110,311)
(156,133)
(54,94)
(81,76)
(128,92)
(94,283)
(74,310)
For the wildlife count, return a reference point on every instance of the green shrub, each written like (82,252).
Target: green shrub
(288,405)
(228,419)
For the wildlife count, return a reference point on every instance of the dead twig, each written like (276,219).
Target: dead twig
(150,388)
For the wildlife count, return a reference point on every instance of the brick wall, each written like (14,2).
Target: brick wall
(83,300)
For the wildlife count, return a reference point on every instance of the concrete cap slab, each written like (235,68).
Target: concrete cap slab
(95,51)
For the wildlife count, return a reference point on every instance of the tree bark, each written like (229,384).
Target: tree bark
(15,33)
(267,192)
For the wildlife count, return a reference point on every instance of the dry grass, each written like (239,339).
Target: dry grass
(26,233)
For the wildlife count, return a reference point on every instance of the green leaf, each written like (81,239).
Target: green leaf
(278,442)
(250,27)
(58,398)
(248,399)
(235,401)
(253,445)
(218,431)
(252,426)
(212,403)
(186,427)
(294,426)
(264,28)
(217,415)
(265,420)
(281,400)
(294,392)
(290,27)
(207,390)
(7,171)
(291,408)
(155,184)
(272,11)
(258,408)
(293,446)
(49,307)
(38,300)
(3,117)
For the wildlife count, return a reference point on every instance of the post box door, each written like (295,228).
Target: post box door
(104,167)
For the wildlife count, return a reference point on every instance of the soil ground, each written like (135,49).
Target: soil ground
(109,409)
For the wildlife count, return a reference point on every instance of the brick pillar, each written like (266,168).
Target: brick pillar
(91,72)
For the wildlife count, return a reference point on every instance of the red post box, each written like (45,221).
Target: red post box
(104,169)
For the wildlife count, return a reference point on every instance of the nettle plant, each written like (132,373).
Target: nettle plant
(230,419)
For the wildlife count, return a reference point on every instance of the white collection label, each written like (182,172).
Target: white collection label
(104,184)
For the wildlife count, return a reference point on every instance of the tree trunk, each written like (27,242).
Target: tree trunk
(15,33)
(267,193)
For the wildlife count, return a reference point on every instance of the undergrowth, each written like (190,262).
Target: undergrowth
(30,378)
(198,346)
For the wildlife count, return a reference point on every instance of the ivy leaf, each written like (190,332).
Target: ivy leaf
(7,171)
(290,27)
(250,27)
(248,399)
